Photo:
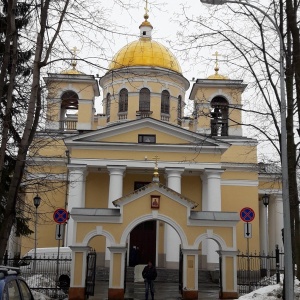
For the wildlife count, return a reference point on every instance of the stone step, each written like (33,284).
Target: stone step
(163,275)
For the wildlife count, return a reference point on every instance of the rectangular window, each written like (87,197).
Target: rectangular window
(147,138)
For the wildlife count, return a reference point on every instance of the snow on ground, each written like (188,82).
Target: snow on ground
(41,281)
(39,296)
(271,292)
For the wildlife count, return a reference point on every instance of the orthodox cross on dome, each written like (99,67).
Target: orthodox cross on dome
(155,173)
(216,54)
(146,16)
(74,51)
(156,158)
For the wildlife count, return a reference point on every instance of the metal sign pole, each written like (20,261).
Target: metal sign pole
(247,214)
(248,263)
(57,262)
(60,216)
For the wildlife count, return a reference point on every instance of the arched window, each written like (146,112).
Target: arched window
(144,101)
(165,102)
(68,110)
(108,102)
(69,100)
(219,116)
(123,100)
(179,110)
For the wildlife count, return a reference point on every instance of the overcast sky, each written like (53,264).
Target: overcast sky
(164,16)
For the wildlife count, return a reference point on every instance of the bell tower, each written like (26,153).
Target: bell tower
(70,101)
(217,104)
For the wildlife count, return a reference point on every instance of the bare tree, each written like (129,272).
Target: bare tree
(52,26)
(251,49)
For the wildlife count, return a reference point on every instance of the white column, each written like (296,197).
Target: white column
(213,189)
(116,174)
(115,183)
(275,222)
(76,196)
(213,202)
(204,208)
(172,240)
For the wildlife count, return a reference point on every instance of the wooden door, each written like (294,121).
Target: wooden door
(143,243)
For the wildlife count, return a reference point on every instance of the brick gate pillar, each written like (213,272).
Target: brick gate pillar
(228,274)
(78,272)
(116,273)
(190,274)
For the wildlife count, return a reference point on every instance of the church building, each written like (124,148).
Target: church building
(142,181)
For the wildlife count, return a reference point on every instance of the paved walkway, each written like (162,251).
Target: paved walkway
(163,291)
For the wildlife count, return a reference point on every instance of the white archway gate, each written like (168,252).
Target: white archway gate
(192,226)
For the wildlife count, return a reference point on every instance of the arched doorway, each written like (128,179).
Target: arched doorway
(142,244)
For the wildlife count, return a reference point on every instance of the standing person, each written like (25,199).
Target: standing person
(149,275)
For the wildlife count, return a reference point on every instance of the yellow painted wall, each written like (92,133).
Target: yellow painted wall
(191,187)
(53,198)
(190,274)
(57,88)
(229,274)
(48,147)
(53,111)
(98,243)
(78,269)
(241,175)
(205,94)
(142,206)
(240,154)
(117,257)
(271,183)
(96,191)
(235,199)
(140,155)
(134,84)
(132,137)
(85,112)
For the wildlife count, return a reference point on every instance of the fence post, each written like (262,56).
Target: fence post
(5,258)
(277,264)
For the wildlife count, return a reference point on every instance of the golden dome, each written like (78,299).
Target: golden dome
(145,52)
(217,76)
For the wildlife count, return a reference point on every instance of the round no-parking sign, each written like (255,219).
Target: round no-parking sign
(60,216)
(247,214)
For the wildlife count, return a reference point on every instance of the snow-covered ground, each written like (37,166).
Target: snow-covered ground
(271,292)
(40,281)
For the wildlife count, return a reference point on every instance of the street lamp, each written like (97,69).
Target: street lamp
(288,264)
(266,200)
(36,201)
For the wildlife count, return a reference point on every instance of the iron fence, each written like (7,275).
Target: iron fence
(48,275)
(259,270)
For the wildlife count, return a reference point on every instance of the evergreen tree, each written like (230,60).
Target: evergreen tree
(12,117)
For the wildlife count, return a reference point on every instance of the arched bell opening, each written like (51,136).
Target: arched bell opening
(219,116)
(69,110)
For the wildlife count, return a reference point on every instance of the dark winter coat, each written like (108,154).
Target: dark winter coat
(149,273)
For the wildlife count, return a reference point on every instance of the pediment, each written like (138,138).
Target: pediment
(155,188)
(126,133)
